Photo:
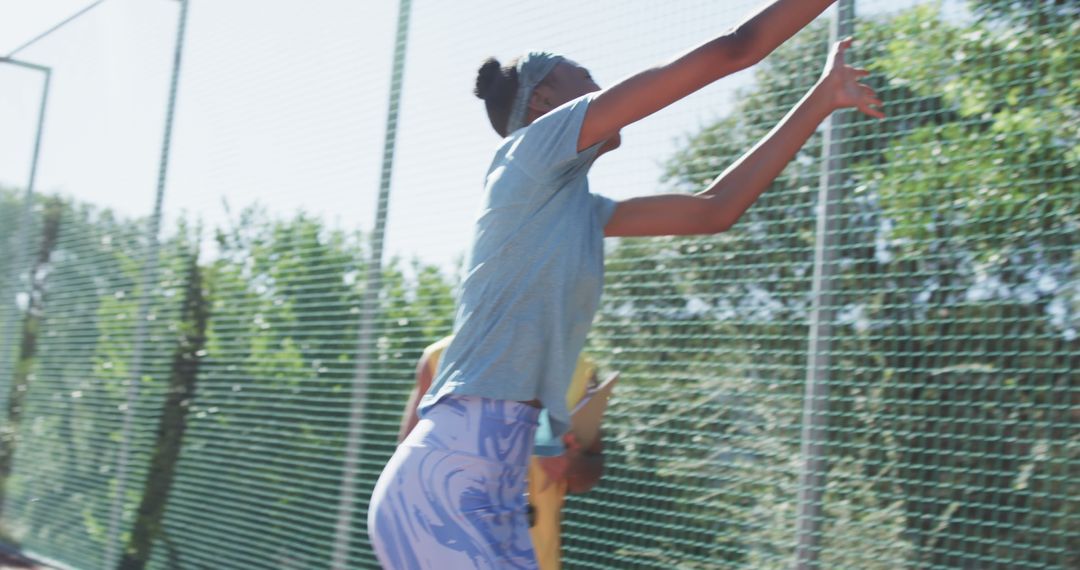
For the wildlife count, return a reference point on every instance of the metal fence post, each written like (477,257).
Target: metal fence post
(23,237)
(147,278)
(21,246)
(20,250)
(815,401)
(369,304)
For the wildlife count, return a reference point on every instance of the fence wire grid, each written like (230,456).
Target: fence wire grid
(248,221)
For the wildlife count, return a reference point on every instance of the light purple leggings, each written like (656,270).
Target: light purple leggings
(453,494)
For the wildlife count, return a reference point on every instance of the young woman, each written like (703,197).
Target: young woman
(452,495)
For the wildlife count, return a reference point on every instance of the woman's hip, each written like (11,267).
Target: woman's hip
(501,431)
(455,489)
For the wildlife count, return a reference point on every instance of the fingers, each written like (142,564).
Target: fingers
(868,110)
(842,46)
(869,103)
(869,99)
(836,55)
(869,95)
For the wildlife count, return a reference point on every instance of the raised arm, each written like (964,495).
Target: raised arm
(726,199)
(645,93)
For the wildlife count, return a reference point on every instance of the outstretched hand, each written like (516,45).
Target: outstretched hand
(841,81)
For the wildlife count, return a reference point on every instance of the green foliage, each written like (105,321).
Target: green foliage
(275,385)
(190,341)
(954,341)
(28,342)
(954,324)
(1012,156)
(268,427)
(64,473)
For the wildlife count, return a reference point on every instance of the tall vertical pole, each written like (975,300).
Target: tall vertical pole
(22,242)
(369,307)
(21,246)
(147,279)
(815,401)
(20,254)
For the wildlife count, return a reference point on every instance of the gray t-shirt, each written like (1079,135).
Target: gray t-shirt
(535,271)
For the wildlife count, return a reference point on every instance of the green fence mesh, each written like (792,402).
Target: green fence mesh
(947,321)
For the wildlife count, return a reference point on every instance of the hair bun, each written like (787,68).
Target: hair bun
(489,74)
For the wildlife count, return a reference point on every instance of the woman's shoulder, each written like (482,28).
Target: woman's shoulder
(572,111)
(549,144)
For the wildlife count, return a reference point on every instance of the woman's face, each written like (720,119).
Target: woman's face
(567,82)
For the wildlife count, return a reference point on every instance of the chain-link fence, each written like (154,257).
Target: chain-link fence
(207,342)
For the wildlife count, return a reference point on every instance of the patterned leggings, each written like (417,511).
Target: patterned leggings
(453,495)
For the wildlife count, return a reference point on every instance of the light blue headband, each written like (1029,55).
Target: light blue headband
(532,68)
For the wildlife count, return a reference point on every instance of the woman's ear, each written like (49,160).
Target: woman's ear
(538,106)
(540,101)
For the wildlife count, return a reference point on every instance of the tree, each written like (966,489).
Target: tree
(953,323)
(180,393)
(59,489)
(28,345)
(262,455)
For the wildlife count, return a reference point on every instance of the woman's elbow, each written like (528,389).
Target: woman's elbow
(716,219)
(742,48)
(586,479)
(719,226)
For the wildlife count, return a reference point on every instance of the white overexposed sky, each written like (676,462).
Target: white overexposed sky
(284,102)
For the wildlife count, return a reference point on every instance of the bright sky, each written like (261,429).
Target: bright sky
(284,102)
